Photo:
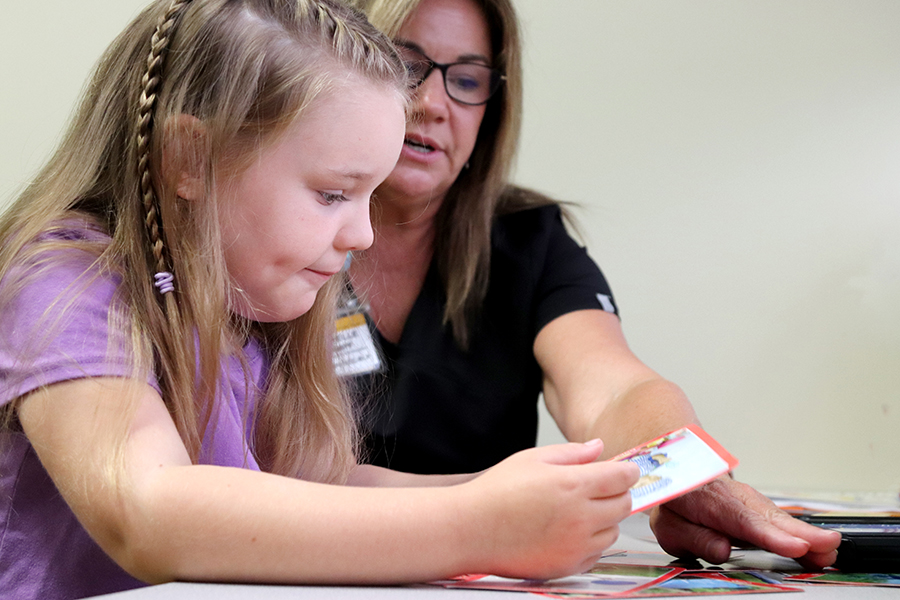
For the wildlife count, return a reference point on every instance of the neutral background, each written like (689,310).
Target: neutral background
(737,164)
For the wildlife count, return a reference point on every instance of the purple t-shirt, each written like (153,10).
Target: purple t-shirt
(44,551)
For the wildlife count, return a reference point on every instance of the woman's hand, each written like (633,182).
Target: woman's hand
(550,511)
(707,522)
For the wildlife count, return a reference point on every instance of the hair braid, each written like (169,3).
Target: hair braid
(150,83)
(360,48)
(329,23)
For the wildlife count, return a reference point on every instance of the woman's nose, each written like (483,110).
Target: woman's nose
(431,96)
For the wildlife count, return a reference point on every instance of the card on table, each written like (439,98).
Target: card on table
(670,465)
(837,577)
(601,580)
(675,464)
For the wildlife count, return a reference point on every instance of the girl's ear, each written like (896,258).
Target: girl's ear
(185,156)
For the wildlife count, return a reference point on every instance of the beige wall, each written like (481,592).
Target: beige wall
(738,164)
(47,50)
(739,167)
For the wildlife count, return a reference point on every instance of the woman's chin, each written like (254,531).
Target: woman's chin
(406,183)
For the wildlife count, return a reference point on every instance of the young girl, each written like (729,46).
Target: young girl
(166,296)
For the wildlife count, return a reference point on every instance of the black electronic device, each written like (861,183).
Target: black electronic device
(869,543)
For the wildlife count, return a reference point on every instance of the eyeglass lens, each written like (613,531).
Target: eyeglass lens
(468,83)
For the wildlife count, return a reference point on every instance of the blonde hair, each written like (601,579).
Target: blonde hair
(482,191)
(245,70)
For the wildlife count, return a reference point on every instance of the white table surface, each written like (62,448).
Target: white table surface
(634,535)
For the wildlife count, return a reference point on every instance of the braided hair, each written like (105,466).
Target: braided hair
(242,71)
(150,85)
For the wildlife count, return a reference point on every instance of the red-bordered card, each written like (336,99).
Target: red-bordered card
(674,464)
(601,580)
(837,577)
(696,583)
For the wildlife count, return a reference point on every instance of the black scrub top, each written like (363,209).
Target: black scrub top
(435,408)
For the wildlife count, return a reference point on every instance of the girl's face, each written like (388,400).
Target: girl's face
(289,220)
(441,132)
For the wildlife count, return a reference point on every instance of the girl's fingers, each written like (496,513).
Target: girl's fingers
(591,560)
(611,478)
(569,454)
(604,538)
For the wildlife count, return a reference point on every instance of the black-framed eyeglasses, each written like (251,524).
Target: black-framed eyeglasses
(469,83)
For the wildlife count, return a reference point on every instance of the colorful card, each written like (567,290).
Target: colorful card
(841,578)
(601,580)
(675,464)
(703,583)
(670,465)
(709,583)
(697,583)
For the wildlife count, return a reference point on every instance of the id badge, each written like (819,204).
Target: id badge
(354,349)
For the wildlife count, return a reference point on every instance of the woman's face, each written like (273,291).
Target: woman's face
(440,133)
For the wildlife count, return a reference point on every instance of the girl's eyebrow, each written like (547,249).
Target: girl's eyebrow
(350,174)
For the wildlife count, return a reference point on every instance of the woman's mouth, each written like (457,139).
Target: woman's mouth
(418,146)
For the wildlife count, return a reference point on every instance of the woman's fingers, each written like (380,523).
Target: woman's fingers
(707,521)
(684,539)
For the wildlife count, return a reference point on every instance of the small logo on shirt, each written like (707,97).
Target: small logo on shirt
(606,303)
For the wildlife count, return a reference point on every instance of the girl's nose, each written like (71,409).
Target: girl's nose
(356,234)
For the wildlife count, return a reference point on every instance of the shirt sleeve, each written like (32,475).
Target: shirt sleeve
(567,279)
(56,325)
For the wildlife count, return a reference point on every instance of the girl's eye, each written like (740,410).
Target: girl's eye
(331,196)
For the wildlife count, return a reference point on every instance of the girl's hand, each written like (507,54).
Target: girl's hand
(550,511)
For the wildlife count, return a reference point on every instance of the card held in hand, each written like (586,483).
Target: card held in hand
(675,464)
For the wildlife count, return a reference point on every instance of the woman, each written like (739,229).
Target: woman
(479,299)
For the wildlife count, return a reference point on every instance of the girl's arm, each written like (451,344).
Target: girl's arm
(542,513)
(373,476)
